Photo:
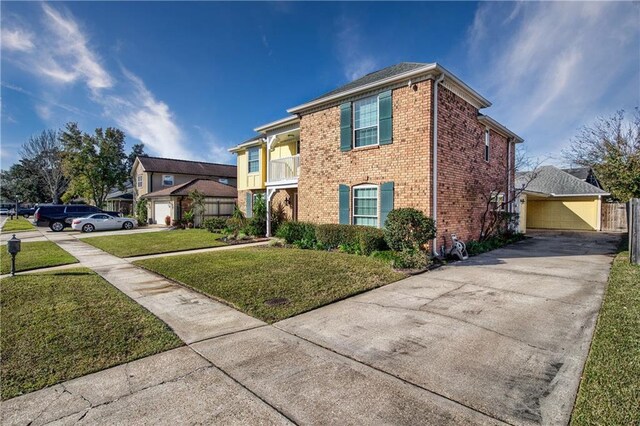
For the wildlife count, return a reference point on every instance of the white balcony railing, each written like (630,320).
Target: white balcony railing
(284,169)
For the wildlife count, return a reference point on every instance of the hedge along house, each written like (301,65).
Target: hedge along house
(556,199)
(410,135)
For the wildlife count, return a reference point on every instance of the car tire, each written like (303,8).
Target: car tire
(127,225)
(88,227)
(57,226)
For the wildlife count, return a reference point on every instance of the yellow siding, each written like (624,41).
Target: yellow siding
(284,150)
(578,214)
(253,180)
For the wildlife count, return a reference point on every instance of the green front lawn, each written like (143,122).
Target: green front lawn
(610,389)
(156,242)
(62,325)
(247,278)
(17,225)
(34,255)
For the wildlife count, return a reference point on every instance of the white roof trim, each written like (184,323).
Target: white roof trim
(490,122)
(278,123)
(256,142)
(430,68)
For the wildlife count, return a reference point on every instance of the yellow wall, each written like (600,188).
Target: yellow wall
(253,180)
(568,213)
(284,150)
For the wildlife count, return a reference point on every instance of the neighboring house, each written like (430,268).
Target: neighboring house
(410,135)
(219,200)
(151,174)
(121,200)
(585,174)
(555,199)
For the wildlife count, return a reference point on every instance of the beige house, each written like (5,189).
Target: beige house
(154,174)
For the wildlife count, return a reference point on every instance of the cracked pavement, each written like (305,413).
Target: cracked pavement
(499,339)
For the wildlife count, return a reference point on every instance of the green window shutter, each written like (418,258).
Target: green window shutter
(386,201)
(344,199)
(345,127)
(249,212)
(385,118)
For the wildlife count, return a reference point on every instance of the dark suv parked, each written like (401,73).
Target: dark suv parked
(59,216)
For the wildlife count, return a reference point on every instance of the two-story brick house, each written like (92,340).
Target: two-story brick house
(410,135)
(162,181)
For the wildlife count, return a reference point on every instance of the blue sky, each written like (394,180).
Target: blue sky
(193,79)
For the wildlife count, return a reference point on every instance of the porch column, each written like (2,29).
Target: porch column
(269,194)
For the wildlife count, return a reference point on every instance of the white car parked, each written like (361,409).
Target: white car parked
(101,222)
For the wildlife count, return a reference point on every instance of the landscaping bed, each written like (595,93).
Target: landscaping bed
(140,244)
(17,225)
(275,283)
(57,326)
(610,390)
(34,255)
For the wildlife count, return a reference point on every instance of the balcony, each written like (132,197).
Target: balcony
(283,170)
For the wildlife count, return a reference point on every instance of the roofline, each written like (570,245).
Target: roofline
(499,127)
(188,161)
(434,68)
(257,141)
(275,124)
(553,194)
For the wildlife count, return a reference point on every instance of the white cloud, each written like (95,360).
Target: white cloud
(551,67)
(43,111)
(16,39)
(145,118)
(352,51)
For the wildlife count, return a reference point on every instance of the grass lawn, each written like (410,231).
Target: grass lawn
(38,254)
(248,277)
(62,325)
(610,390)
(156,242)
(17,225)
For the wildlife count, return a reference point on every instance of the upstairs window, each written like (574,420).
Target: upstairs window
(365,122)
(253,155)
(139,181)
(167,180)
(365,205)
(486,144)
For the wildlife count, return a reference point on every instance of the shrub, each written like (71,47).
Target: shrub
(257,225)
(278,217)
(408,229)
(410,259)
(332,235)
(370,240)
(215,224)
(141,212)
(167,220)
(296,231)
(351,248)
(233,226)
(188,216)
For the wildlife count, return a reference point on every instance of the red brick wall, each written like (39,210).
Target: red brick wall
(406,161)
(465,179)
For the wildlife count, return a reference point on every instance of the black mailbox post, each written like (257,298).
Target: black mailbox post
(13,247)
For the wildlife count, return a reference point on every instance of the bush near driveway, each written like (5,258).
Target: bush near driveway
(17,225)
(610,390)
(139,244)
(58,326)
(249,277)
(34,255)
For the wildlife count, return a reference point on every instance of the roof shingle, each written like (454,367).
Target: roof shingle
(186,167)
(553,181)
(209,188)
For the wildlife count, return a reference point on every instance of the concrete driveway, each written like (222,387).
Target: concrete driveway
(501,338)
(505,334)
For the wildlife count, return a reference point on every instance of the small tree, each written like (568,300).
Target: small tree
(141,211)
(408,229)
(197,206)
(42,154)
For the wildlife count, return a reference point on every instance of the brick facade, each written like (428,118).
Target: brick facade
(465,179)
(406,162)
(279,199)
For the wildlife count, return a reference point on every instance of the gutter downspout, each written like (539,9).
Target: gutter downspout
(435,161)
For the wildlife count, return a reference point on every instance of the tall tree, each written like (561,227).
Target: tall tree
(94,163)
(611,146)
(137,150)
(20,184)
(42,154)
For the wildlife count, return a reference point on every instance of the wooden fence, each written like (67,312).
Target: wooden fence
(614,217)
(634,230)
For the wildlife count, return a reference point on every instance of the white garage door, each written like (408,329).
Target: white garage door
(161,210)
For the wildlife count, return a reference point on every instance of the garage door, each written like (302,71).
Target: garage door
(563,214)
(161,210)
